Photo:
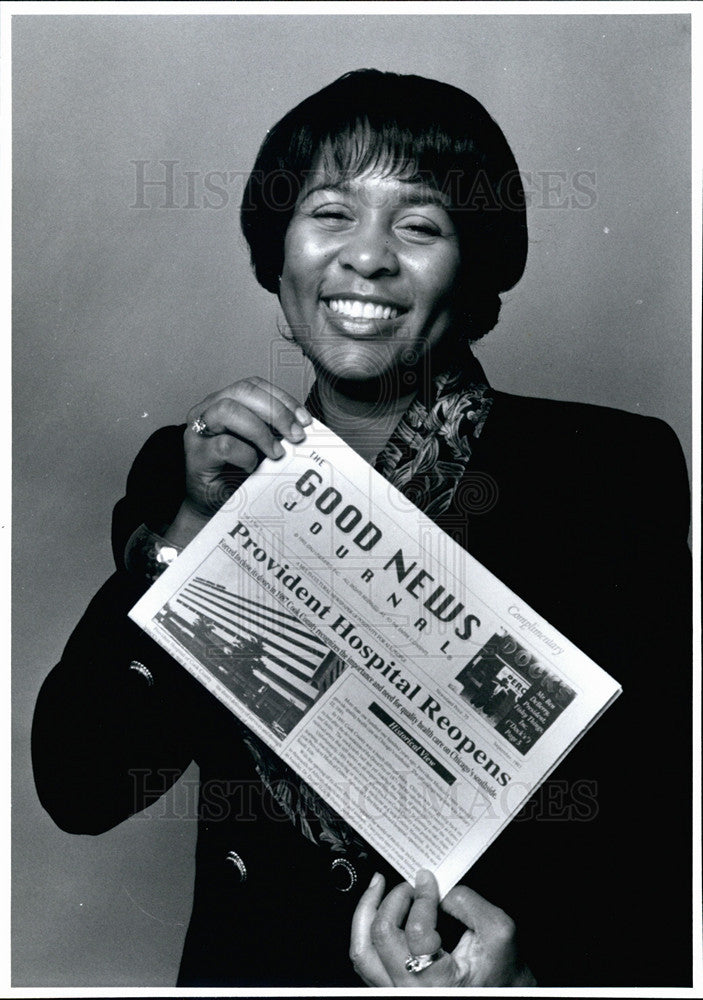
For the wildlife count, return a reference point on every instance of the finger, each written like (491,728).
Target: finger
(393,947)
(227,450)
(486,953)
(293,404)
(233,390)
(470,908)
(363,954)
(209,455)
(443,972)
(365,913)
(279,412)
(217,469)
(420,927)
(229,417)
(386,935)
(272,404)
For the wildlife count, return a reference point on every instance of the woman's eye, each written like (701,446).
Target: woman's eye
(332,216)
(420,229)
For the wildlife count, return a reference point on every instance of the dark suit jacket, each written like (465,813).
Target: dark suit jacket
(583,511)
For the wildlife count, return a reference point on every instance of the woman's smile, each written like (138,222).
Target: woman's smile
(362,317)
(362,309)
(371,265)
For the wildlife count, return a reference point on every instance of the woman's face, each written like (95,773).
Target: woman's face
(370,269)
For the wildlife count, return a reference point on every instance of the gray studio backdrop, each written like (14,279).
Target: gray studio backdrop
(126,316)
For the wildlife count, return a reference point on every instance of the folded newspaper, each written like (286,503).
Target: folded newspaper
(419,696)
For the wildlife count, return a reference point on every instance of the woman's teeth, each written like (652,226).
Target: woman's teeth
(362,310)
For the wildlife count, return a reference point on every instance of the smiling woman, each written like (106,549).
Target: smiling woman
(387,214)
(370,274)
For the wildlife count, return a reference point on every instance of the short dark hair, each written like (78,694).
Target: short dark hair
(413,127)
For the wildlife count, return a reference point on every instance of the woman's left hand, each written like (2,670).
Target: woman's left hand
(486,954)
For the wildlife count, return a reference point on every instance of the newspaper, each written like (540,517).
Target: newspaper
(418,695)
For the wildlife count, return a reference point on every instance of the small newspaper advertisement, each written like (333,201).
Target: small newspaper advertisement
(418,695)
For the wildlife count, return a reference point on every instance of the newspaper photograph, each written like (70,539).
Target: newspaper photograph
(409,687)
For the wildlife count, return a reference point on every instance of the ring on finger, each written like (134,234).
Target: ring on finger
(200,427)
(418,963)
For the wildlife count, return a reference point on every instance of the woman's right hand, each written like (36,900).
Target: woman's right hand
(244,423)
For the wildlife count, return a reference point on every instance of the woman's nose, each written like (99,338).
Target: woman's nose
(368,250)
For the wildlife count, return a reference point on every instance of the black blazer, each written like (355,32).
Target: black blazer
(583,511)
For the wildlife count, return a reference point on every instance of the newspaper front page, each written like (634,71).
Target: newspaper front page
(419,696)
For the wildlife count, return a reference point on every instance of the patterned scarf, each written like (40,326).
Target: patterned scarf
(424,458)
(429,449)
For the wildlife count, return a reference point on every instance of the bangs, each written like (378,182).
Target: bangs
(358,147)
(415,145)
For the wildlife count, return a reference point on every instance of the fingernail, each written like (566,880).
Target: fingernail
(303,416)
(375,880)
(278,450)
(423,877)
(296,432)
